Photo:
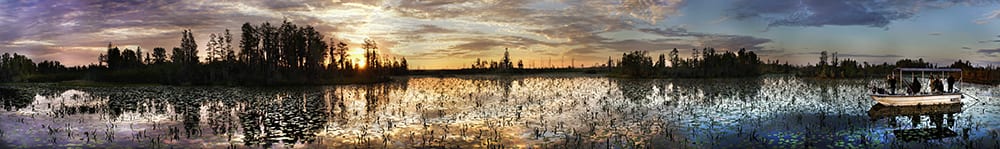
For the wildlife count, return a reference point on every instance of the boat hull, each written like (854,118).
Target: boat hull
(912,100)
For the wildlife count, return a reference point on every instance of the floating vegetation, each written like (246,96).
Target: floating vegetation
(543,111)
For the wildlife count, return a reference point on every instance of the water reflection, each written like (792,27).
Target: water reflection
(941,117)
(13,99)
(490,112)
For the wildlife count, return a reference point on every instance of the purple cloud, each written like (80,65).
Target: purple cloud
(832,12)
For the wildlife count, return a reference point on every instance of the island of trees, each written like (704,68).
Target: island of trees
(267,55)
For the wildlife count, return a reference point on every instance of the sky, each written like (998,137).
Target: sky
(446,34)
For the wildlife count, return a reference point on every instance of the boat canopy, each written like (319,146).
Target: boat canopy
(930,69)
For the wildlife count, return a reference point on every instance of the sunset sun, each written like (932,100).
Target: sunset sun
(358,56)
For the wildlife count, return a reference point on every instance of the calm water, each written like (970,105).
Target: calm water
(497,112)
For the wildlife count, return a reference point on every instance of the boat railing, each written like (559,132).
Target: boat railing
(925,82)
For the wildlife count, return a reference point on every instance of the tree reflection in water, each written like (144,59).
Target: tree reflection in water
(941,118)
(13,98)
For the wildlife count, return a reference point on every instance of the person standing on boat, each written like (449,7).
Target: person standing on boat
(951,83)
(936,85)
(914,86)
(892,83)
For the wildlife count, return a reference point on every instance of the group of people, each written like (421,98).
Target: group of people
(936,85)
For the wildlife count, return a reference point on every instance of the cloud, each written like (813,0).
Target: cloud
(718,41)
(733,42)
(988,41)
(988,17)
(989,52)
(817,13)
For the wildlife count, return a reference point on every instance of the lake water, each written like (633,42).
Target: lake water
(542,111)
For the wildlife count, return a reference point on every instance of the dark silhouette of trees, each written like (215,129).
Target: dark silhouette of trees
(113,57)
(15,68)
(983,74)
(159,55)
(250,53)
(706,64)
(130,59)
(288,54)
(315,51)
(635,64)
(187,54)
(674,58)
(520,64)
(504,65)
(849,68)
(338,55)
(661,62)
(50,67)
(371,54)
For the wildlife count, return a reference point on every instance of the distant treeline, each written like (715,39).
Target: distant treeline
(852,69)
(982,75)
(505,65)
(283,54)
(831,66)
(705,63)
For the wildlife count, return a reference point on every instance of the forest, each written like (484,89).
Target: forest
(707,63)
(266,55)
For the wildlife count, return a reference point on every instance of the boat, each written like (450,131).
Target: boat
(921,98)
(914,100)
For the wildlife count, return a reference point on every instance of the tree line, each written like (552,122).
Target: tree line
(705,63)
(266,54)
(505,65)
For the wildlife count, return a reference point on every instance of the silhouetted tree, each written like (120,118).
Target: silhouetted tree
(214,52)
(505,63)
(227,46)
(339,51)
(129,59)
(520,65)
(178,56)
(188,53)
(661,62)
(674,58)
(635,64)
(159,55)
(371,53)
(250,53)
(113,58)
(50,67)
(316,50)
(15,68)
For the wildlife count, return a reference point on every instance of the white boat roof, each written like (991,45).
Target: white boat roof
(931,69)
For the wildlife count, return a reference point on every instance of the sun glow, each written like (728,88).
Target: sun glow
(358,57)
